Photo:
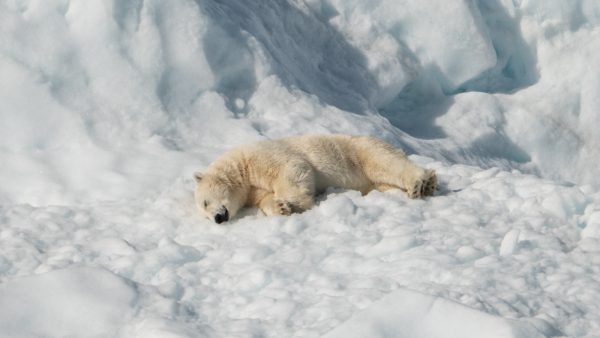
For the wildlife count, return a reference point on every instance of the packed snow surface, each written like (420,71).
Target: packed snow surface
(107,107)
(79,302)
(410,314)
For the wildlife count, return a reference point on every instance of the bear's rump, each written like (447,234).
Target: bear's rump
(335,162)
(340,172)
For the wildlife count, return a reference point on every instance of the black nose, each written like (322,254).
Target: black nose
(222,217)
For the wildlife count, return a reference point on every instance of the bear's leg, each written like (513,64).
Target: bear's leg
(270,206)
(295,186)
(386,166)
(385,187)
(265,201)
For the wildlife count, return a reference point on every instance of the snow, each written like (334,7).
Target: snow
(82,302)
(405,313)
(108,107)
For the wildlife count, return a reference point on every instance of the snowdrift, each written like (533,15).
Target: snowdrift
(106,87)
(108,106)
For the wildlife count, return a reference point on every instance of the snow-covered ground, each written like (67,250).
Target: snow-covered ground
(107,107)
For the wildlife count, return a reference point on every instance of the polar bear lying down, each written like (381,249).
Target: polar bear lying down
(283,176)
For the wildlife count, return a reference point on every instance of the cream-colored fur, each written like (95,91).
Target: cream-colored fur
(283,176)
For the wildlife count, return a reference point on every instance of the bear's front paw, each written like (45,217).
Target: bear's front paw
(283,208)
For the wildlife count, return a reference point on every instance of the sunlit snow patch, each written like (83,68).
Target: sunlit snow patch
(77,302)
(409,314)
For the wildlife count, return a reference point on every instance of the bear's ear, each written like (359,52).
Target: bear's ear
(198,176)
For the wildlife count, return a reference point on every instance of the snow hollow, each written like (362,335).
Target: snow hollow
(107,107)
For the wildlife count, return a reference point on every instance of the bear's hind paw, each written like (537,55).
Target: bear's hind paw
(415,191)
(430,184)
(424,186)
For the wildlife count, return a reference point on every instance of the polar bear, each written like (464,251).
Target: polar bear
(283,176)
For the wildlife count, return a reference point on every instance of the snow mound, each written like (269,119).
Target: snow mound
(409,314)
(118,86)
(74,302)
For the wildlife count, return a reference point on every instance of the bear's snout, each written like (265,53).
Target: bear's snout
(222,215)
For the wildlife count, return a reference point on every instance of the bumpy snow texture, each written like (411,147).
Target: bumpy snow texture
(107,107)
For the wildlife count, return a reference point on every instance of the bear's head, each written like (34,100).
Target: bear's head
(217,199)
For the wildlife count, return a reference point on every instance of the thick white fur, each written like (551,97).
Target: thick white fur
(283,176)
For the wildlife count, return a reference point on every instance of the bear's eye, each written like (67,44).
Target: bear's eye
(205,204)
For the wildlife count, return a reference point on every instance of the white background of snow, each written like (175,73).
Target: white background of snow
(410,314)
(107,107)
